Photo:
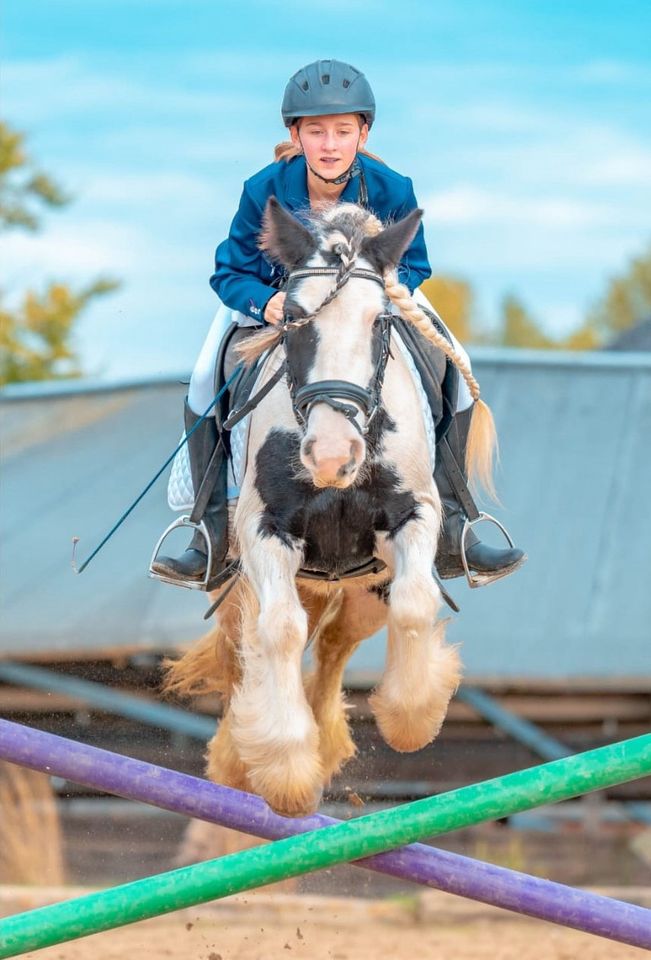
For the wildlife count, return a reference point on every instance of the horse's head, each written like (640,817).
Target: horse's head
(336,327)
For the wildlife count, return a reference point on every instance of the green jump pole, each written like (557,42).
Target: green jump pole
(362,837)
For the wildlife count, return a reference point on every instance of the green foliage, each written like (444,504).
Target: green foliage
(519,329)
(452,299)
(627,300)
(21,185)
(36,336)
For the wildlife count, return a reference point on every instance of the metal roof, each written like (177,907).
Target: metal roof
(575,437)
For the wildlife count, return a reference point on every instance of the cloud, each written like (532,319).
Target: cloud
(38,91)
(611,72)
(466,205)
(157,187)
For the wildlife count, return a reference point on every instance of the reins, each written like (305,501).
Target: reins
(118,524)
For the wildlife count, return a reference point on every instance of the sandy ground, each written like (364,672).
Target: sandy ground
(266,926)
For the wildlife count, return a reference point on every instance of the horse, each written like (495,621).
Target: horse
(336,524)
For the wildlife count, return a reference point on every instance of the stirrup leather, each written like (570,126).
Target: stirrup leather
(200,527)
(483,579)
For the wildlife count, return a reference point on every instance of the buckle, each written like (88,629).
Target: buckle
(184,521)
(483,579)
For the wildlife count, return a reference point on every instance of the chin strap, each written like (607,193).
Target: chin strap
(342,178)
(354,170)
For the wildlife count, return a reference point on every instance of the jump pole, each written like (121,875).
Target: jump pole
(440,869)
(293,856)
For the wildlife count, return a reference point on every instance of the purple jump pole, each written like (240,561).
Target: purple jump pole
(452,873)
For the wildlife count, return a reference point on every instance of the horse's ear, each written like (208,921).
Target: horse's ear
(283,237)
(385,249)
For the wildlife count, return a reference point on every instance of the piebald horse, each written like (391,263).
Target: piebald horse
(339,480)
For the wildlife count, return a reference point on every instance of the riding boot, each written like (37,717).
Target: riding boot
(203,445)
(487,563)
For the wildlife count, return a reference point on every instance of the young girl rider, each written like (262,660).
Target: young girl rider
(329,109)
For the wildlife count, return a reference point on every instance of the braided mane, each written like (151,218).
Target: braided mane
(342,228)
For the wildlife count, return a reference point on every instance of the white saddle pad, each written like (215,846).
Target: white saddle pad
(180,492)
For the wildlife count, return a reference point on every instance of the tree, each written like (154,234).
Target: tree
(452,299)
(36,335)
(519,329)
(626,302)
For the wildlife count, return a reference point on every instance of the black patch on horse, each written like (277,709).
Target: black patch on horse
(337,527)
(301,345)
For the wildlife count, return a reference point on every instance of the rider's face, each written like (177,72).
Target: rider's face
(330,142)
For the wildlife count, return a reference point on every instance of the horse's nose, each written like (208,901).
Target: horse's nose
(332,465)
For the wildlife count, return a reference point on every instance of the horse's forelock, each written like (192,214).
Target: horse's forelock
(343,224)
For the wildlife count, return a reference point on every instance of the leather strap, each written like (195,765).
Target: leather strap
(253,401)
(337,389)
(209,480)
(457,479)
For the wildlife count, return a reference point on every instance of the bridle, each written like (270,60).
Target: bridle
(341,395)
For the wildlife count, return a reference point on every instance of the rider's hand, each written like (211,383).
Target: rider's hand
(273,312)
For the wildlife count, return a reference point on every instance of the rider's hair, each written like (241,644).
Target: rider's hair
(286,150)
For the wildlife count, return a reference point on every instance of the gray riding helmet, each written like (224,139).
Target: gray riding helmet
(327,87)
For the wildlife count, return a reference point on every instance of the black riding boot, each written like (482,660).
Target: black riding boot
(191,565)
(487,563)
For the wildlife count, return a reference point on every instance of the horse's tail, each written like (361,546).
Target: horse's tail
(196,672)
(481,447)
(482,436)
(211,664)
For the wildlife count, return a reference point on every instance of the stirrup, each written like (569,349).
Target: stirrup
(483,579)
(201,527)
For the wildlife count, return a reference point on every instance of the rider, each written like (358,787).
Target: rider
(329,109)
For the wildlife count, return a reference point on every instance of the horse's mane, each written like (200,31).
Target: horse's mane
(350,224)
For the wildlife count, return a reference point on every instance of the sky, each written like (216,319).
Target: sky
(526,129)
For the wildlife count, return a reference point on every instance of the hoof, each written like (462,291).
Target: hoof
(406,731)
(290,778)
(335,750)
(294,808)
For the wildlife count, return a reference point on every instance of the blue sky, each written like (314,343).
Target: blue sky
(525,127)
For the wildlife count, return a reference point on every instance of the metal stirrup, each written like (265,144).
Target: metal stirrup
(483,579)
(201,528)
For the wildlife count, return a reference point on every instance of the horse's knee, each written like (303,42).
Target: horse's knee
(414,603)
(282,627)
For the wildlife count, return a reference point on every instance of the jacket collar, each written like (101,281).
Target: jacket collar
(296,195)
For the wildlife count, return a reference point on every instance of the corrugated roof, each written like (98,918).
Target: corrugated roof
(575,432)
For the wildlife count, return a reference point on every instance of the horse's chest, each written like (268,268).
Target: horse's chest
(337,527)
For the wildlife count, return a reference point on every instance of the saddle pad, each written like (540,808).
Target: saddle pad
(430,429)
(180,492)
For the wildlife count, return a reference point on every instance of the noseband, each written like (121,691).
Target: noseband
(341,395)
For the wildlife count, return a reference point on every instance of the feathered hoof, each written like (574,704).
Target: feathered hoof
(407,730)
(336,748)
(292,780)
(288,797)
(294,806)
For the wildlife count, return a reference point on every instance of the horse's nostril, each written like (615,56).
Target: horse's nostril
(308,447)
(356,451)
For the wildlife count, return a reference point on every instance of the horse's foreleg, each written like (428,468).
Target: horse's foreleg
(273,727)
(422,672)
(350,615)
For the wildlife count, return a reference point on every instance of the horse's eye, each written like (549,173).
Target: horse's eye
(292,311)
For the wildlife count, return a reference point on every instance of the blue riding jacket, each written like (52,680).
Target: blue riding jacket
(245,279)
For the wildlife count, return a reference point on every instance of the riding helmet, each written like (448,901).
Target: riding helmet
(327,87)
